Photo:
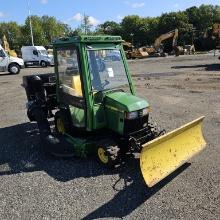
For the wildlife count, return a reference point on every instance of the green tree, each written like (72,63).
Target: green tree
(132,28)
(109,28)
(204,16)
(38,33)
(216,14)
(12,31)
(45,29)
(140,30)
(148,30)
(53,28)
(173,20)
(170,21)
(76,32)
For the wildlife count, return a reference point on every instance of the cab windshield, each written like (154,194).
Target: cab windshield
(43,52)
(107,70)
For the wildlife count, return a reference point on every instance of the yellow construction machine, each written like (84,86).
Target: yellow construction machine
(134,53)
(7,49)
(155,50)
(216,33)
(171,34)
(216,29)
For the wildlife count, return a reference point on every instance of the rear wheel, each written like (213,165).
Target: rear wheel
(14,68)
(108,153)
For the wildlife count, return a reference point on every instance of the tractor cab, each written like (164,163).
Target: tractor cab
(94,87)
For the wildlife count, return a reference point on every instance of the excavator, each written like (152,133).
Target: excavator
(157,44)
(156,50)
(7,49)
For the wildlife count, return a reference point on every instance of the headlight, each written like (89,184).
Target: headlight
(131,115)
(21,63)
(146,111)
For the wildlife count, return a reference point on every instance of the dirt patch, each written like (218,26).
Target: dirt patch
(162,74)
(194,91)
(4,82)
(171,99)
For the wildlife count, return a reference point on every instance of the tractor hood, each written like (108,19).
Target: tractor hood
(125,102)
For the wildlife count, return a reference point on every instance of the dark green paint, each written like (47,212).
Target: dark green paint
(125,101)
(108,115)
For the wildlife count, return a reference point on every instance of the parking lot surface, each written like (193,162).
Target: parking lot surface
(34,185)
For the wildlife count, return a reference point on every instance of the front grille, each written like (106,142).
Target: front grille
(136,124)
(140,113)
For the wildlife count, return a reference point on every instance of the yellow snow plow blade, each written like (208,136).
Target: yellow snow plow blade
(163,155)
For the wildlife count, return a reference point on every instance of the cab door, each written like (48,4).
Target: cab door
(35,55)
(70,90)
(3,60)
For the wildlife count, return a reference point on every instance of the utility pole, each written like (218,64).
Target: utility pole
(29,12)
(85,23)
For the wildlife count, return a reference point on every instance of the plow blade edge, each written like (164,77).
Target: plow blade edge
(163,155)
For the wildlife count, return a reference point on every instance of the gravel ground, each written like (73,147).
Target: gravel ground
(34,185)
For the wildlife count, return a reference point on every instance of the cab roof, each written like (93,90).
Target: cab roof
(88,39)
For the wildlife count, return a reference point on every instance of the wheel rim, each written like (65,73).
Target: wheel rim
(43,64)
(102,155)
(60,126)
(14,69)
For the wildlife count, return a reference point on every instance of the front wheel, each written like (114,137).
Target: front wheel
(14,68)
(62,125)
(107,153)
(43,64)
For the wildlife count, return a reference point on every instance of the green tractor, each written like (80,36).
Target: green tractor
(91,100)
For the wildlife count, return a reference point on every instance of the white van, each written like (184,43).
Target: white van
(8,63)
(36,56)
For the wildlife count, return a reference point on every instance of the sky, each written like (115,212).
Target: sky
(71,11)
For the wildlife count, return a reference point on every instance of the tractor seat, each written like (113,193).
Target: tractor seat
(76,84)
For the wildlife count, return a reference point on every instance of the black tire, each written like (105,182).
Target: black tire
(108,153)
(14,68)
(62,117)
(43,64)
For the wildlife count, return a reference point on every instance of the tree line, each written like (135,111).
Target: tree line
(45,29)
(192,24)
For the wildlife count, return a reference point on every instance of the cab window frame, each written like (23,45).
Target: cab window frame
(76,101)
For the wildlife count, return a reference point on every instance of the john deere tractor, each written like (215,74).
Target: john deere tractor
(92,103)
